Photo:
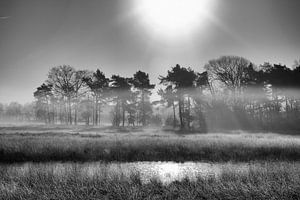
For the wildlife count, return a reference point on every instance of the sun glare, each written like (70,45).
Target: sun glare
(173,17)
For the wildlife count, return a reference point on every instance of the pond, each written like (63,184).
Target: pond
(166,172)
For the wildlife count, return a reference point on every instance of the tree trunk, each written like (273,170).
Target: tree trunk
(189,114)
(70,111)
(54,114)
(143,109)
(174,115)
(93,112)
(287,109)
(96,111)
(60,113)
(117,114)
(48,113)
(76,110)
(66,115)
(180,115)
(137,118)
(123,114)
(99,116)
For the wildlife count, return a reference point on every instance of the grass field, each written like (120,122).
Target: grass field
(148,145)
(272,160)
(279,180)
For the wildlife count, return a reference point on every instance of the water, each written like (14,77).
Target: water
(166,172)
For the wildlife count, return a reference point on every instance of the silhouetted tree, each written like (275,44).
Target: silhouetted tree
(63,80)
(232,93)
(200,100)
(169,97)
(99,86)
(79,90)
(142,83)
(121,89)
(43,94)
(182,81)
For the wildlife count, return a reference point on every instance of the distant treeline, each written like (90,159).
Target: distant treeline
(231,93)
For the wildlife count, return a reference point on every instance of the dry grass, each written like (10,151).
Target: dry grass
(277,180)
(273,171)
(149,145)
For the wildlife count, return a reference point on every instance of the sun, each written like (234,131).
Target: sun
(172,18)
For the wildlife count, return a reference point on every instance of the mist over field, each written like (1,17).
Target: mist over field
(232,124)
(231,94)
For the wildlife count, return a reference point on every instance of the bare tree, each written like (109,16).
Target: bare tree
(230,71)
(63,80)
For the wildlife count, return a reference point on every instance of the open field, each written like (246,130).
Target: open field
(276,180)
(43,144)
(60,162)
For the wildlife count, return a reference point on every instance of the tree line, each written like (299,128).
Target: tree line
(230,93)
(68,95)
(16,112)
(233,93)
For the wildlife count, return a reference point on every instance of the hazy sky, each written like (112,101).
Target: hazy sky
(36,35)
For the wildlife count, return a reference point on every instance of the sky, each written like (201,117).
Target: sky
(36,35)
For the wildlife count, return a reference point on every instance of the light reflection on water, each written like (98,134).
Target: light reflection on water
(166,172)
(163,171)
(171,171)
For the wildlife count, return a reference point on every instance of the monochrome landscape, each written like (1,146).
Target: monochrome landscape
(149,99)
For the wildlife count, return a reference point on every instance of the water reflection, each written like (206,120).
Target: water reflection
(171,171)
(163,171)
(166,172)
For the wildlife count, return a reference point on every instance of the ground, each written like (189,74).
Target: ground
(271,161)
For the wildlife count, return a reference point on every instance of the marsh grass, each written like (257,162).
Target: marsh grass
(277,180)
(156,146)
(272,171)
